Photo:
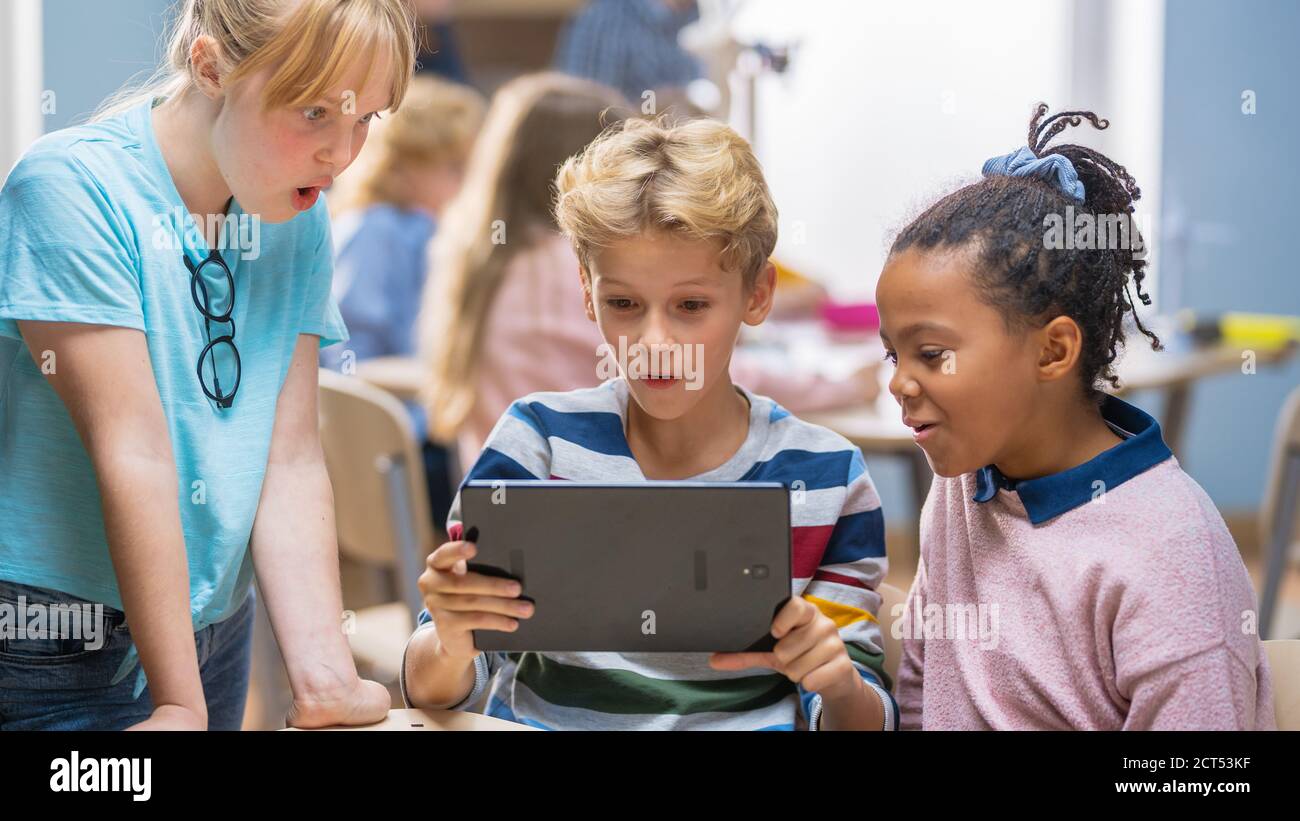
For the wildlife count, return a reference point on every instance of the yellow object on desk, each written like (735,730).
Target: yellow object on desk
(1266,330)
(786,275)
(796,294)
(1242,329)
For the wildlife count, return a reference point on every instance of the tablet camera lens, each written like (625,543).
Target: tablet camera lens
(759,571)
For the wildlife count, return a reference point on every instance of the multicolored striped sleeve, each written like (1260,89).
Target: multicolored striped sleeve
(484,665)
(843,586)
(517,448)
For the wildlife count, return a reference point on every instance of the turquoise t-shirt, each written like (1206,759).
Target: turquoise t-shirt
(93,230)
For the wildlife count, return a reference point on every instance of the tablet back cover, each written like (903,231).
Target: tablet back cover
(643,567)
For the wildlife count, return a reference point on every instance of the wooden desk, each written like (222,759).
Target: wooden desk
(1174,374)
(406,720)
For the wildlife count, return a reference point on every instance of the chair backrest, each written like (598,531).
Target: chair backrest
(1284,664)
(890,596)
(1286,448)
(381,505)
(1285,667)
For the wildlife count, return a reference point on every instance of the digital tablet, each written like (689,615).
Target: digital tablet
(635,567)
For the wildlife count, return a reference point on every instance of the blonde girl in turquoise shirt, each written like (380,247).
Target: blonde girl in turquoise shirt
(158,426)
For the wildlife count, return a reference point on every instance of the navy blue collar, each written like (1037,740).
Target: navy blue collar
(1049,496)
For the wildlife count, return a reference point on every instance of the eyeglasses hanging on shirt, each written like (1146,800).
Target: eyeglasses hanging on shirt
(212,287)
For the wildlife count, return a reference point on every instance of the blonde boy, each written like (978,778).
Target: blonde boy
(672,227)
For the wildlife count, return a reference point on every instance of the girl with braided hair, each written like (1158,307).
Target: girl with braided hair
(1071,574)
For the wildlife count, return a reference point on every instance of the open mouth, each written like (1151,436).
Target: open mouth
(659,382)
(921,430)
(304,198)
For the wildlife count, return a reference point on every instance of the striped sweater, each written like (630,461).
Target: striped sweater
(838,560)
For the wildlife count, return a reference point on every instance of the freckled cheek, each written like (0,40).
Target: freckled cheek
(285,154)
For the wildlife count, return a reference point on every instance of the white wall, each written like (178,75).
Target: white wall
(888,105)
(1118,71)
(20,79)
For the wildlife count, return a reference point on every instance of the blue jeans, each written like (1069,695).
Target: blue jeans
(53,682)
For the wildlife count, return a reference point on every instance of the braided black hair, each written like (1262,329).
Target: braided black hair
(1002,220)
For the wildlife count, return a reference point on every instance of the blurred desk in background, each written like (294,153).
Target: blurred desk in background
(1174,372)
(878,428)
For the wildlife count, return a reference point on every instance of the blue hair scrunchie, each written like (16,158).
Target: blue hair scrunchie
(1053,168)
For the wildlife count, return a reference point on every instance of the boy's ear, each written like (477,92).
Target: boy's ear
(587,301)
(205,66)
(760,295)
(1060,346)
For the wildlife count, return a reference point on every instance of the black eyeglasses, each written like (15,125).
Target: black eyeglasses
(220,354)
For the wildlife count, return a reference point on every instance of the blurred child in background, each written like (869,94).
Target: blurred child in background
(504,316)
(385,213)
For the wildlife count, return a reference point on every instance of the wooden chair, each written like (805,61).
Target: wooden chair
(1284,664)
(381,508)
(1277,515)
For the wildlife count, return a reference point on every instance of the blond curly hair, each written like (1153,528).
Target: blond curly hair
(698,178)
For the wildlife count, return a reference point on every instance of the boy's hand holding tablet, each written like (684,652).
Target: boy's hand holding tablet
(461,601)
(808,651)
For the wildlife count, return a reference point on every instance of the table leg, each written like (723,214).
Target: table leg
(1177,400)
(1279,542)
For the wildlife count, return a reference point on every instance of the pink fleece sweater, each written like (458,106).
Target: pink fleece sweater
(1132,611)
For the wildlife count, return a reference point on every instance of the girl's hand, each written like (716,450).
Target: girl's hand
(361,702)
(172,717)
(461,602)
(808,651)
